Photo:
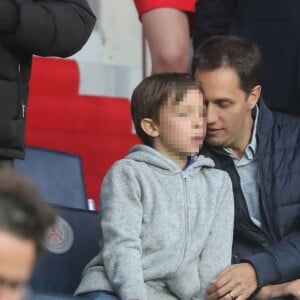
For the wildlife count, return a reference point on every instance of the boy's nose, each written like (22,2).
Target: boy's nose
(7,293)
(198,122)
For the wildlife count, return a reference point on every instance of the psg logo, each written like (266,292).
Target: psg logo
(60,237)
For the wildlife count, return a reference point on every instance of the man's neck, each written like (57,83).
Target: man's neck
(238,148)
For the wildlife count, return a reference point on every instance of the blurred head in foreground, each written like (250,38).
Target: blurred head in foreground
(24,219)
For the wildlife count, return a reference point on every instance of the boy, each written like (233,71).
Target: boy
(166,219)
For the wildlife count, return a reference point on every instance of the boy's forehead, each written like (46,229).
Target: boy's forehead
(181,90)
(185,96)
(188,103)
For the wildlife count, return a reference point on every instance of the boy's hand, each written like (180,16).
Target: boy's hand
(235,282)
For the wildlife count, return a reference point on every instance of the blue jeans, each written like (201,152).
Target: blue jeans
(100,296)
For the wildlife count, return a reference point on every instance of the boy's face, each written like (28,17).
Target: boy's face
(181,128)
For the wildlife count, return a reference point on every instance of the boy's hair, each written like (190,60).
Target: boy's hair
(23,212)
(153,92)
(232,52)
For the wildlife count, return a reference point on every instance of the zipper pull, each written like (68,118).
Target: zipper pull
(184,175)
(23,111)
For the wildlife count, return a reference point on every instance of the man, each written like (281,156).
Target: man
(28,27)
(260,150)
(275,27)
(24,219)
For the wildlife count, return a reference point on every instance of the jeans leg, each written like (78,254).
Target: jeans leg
(100,296)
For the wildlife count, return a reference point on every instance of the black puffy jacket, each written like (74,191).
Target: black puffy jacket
(274,250)
(33,27)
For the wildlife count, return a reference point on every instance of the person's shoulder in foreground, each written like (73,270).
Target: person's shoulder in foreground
(56,28)
(260,151)
(44,28)
(24,219)
(166,214)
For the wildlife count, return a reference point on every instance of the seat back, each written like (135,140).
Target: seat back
(57,174)
(70,244)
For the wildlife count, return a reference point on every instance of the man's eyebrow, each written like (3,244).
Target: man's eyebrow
(223,99)
(220,100)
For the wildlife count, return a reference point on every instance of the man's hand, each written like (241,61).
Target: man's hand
(235,282)
(265,292)
(291,288)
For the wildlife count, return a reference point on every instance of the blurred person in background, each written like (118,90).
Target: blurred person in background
(275,27)
(167,26)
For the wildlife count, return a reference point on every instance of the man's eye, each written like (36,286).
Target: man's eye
(183,114)
(14,285)
(224,104)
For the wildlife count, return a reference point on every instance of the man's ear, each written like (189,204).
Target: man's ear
(254,96)
(150,127)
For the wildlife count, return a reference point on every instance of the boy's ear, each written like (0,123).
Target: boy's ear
(150,127)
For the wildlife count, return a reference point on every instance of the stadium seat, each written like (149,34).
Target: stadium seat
(70,244)
(58,175)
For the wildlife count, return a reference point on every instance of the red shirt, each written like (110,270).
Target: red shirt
(146,5)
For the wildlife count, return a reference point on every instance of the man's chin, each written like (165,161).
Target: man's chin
(213,142)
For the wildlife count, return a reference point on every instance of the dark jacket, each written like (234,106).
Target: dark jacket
(274,250)
(275,27)
(27,27)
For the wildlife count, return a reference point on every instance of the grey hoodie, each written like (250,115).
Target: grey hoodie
(166,232)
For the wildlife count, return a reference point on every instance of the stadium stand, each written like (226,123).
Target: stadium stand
(57,174)
(97,128)
(70,244)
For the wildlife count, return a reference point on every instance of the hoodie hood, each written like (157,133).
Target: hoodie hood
(143,153)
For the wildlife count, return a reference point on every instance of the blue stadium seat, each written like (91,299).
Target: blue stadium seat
(70,244)
(58,175)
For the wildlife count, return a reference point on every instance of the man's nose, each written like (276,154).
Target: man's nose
(211,114)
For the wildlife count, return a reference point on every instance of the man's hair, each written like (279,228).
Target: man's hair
(153,92)
(23,212)
(232,52)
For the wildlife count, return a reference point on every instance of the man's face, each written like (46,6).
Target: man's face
(229,120)
(17,257)
(181,126)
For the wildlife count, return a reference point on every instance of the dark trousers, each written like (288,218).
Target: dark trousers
(6,162)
